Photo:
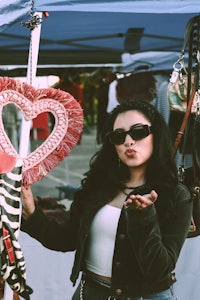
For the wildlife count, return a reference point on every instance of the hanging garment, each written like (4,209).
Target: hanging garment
(12,264)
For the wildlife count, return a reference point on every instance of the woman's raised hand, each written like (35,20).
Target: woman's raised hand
(27,202)
(140,202)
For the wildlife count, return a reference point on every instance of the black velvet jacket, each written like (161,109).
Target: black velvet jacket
(147,246)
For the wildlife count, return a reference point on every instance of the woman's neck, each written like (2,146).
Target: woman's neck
(132,185)
(136,179)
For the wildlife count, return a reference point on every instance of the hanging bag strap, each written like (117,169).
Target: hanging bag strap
(184,122)
(192,37)
(189,34)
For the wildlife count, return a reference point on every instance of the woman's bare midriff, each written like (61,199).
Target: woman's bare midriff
(101,277)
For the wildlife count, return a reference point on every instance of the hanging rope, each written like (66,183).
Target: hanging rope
(33,22)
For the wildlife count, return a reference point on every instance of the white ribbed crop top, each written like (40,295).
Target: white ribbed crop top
(101,242)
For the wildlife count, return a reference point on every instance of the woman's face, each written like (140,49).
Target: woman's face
(133,153)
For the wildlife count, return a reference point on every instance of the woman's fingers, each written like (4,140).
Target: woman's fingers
(141,201)
(27,201)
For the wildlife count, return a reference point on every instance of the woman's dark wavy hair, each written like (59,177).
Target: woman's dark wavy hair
(106,177)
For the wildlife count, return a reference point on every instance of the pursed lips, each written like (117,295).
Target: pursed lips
(130,153)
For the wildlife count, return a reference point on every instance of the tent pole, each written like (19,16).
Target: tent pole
(26,125)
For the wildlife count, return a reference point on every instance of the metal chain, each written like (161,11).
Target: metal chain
(34,20)
(31,62)
(82,289)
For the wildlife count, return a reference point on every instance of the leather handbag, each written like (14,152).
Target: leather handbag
(184,92)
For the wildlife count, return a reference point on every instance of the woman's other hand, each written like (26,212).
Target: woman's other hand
(27,202)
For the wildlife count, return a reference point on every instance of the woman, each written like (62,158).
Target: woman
(129,220)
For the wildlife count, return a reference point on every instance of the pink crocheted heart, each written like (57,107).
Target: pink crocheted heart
(66,132)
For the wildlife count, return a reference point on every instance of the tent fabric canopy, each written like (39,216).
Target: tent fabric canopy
(11,11)
(93,32)
(138,6)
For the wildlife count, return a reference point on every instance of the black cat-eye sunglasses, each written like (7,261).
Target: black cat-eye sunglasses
(136,131)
